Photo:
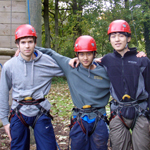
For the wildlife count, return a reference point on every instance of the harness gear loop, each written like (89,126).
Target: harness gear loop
(126,96)
(29,101)
(86,106)
(28,98)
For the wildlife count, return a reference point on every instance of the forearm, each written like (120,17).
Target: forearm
(47,51)
(60,59)
(5,86)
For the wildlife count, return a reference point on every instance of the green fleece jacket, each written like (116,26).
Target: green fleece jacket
(87,87)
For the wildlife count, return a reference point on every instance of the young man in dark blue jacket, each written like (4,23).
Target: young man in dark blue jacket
(130,89)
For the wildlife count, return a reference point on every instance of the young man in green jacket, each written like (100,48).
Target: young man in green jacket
(89,88)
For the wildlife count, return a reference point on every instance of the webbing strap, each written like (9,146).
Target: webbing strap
(29,102)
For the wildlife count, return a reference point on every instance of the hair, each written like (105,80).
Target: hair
(94,53)
(18,40)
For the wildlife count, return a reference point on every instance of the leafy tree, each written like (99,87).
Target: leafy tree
(71,18)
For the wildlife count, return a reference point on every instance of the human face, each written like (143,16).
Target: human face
(86,58)
(26,47)
(119,41)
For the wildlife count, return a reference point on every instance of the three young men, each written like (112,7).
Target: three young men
(89,88)
(29,75)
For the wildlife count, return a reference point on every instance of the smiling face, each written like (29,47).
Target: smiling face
(119,41)
(26,46)
(86,58)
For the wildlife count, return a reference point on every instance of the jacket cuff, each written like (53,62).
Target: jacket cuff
(5,121)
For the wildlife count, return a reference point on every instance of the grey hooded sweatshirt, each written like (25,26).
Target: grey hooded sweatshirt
(27,79)
(87,87)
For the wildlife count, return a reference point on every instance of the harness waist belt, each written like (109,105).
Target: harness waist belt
(30,101)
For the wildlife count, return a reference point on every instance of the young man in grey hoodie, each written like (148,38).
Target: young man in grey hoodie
(89,88)
(29,75)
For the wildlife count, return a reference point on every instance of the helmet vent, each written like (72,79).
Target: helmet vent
(32,30)
(92,44)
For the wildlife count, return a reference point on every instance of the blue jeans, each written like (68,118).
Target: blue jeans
(43,133)
(97,141)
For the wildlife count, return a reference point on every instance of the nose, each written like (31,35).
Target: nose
(85,56)
(27,44)
(117,38)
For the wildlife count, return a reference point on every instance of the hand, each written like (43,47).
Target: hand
(73,61)
(141,54)
(149,127)
(7,130)
(17,52)
(98,60)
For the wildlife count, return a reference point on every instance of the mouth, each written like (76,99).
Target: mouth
(117,44)
(85,62)
(27,51)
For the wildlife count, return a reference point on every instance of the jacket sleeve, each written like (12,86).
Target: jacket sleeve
(146,75)
(5,86)
(61,60)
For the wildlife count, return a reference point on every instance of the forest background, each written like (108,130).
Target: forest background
(63,21)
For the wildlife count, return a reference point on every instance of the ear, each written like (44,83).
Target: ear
(129,39)
(17,45)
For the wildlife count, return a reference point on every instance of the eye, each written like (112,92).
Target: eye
(23,42)
(121,35)
(89,53)
(113,36)
(81,54)
(30,42)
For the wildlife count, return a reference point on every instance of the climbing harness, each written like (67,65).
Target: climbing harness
(29,101)
(129,110)
(87,109)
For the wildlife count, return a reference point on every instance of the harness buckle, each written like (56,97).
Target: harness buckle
(86,106)
(27,98)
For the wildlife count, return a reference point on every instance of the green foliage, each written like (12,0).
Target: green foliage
(93,18)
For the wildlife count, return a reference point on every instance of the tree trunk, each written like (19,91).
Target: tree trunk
(46,23)
(77,28)
(35,18)
(56,25)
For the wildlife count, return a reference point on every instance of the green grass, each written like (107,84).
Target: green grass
(60,99)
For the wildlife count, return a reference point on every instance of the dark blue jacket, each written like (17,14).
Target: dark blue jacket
(128,75)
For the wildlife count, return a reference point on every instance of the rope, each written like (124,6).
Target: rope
(133,22)
(1,65)
(28,12)
(11,25)
(58,146)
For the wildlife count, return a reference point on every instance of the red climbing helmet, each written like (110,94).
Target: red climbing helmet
(24,31)
(85,43)
(119,26)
